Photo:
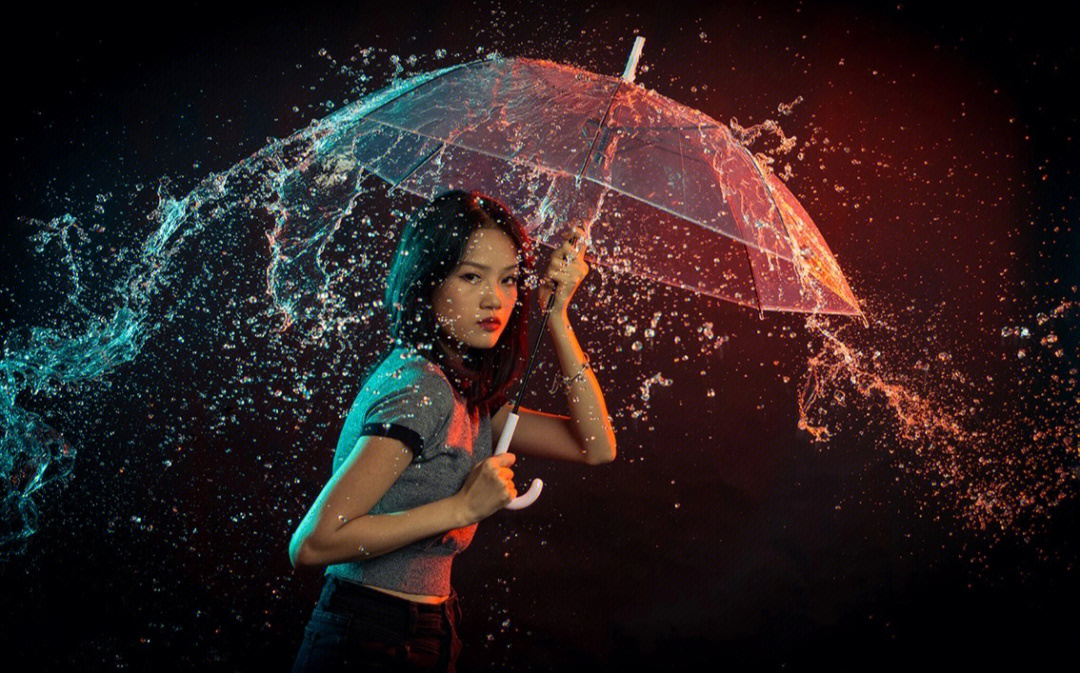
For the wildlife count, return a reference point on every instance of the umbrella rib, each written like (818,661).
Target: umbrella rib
(767,190)
(383,104)
(783,223)
(596,136)
(682,167)
(668,128)
(754,275)
(793,242)
(417,166)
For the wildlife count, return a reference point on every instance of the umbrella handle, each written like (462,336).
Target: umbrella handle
(530,496)
(522,501)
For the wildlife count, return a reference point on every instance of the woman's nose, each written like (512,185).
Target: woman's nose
(491,296)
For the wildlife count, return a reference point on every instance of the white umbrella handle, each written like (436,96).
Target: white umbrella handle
(522,501)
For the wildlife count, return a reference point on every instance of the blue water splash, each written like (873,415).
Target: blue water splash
(302,195)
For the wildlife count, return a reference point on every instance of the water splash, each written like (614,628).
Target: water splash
(645,393)
(278,187)
(1001,468)
(297,193)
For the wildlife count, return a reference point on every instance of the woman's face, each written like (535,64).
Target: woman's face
(482,287)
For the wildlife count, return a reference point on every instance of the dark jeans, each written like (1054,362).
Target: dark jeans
(354,627)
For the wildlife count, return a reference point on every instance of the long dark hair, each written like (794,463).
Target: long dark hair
(431,246)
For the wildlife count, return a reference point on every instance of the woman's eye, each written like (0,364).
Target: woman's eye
(469,276)
(512,279)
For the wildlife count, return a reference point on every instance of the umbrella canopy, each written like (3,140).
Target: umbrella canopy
(671,193)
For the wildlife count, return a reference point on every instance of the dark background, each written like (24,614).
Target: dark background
(722,529)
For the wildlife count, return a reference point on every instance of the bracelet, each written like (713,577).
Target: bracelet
(567,381)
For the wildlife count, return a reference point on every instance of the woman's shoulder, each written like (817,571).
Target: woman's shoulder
(406,366)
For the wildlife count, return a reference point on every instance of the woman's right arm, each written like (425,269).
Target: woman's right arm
(338,527)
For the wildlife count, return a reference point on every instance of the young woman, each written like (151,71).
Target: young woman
(413,471)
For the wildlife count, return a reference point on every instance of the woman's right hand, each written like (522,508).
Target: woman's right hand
(488,488)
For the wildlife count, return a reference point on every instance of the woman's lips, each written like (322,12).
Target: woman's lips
(489,325)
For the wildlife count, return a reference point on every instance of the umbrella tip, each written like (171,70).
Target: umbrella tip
(631,63)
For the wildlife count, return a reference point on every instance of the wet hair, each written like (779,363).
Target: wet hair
(431,246)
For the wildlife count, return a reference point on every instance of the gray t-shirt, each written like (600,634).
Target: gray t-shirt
(409,398)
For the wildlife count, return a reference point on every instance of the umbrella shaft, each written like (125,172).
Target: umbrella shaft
(539,335)
(535,347)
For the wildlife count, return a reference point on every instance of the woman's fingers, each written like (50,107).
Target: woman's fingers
(574,241)
(566,260)
(566,269)
(570,272)
(566,279)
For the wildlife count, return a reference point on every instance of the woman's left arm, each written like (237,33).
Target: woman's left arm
(588,413)
(586,435)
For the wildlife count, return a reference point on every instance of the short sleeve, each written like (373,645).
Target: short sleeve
(410,405)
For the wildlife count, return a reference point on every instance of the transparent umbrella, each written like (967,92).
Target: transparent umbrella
(666,191)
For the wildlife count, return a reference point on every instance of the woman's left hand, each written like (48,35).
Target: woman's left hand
(567,268)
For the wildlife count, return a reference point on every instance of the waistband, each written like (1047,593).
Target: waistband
(342,595)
